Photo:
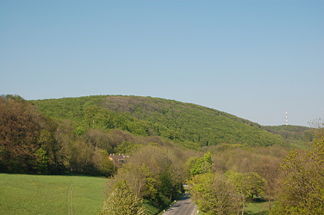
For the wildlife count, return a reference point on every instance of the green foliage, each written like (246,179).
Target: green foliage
(103,165)
(25,137)
(295,136)
(79,130)
(42,160)
(126,147)
(200,165)
(83,158)
(150,209)
(265,161)
(32,143)
(154,174)
(50,195)
(122,201)
(77,135)
(251,171)
(214,195)
(181,122)
(302,182)
(250,185)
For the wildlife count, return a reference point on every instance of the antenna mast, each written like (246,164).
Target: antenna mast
(286,118)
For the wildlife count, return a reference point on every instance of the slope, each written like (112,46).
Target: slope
(147,116)
(293,135)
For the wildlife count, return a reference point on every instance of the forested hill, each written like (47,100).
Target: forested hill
(147,116)
(293,134)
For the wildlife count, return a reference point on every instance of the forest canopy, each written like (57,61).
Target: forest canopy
(147,116)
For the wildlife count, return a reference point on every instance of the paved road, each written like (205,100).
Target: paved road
(182,207)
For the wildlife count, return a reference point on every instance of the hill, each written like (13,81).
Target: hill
(294,135)
(147,116)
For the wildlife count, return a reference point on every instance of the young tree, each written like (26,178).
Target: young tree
(249,185)
(200,165)
(122,202)
(214,195)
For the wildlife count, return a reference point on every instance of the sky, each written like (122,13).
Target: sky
(255,59)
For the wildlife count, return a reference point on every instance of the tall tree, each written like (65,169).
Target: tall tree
(122,202)
(20,127)
(214,194)
(249,185)
(200,165)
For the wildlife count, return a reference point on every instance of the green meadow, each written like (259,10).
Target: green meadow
(39,194)
(257,208)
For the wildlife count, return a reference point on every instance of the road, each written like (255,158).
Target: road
(183,206)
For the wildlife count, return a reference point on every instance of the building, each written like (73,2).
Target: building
(118,159)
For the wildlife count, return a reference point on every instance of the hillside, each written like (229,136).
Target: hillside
(292,134)
(147,116)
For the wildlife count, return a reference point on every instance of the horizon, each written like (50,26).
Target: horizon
(171,100)
(255,60)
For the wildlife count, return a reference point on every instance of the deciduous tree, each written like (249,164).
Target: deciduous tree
(122,201)
(302,183)
(214,195)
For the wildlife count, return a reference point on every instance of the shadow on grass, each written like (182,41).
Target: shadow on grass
(256,213)
(257,207)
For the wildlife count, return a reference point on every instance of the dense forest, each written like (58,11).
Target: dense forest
(181,122)
(292,134)
(227,162)
(33,143)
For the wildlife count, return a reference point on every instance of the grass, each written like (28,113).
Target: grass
(35,194)
(53,195)
(257,208)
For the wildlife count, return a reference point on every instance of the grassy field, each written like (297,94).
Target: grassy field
(257,208)
(34,194)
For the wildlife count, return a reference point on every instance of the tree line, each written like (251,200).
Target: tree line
(148,183)
(291,181)
(33,143)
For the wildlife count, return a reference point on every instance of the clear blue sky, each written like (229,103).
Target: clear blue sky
(254,58)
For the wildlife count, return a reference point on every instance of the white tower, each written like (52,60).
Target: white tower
(286,118)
